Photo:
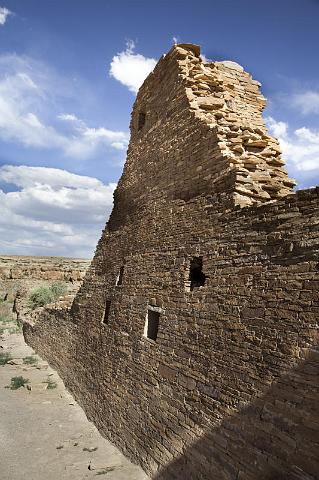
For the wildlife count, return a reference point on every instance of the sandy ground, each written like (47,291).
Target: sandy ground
(44,434)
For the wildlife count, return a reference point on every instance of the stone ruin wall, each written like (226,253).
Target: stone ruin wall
(203,134)
(229,389)
(19,275)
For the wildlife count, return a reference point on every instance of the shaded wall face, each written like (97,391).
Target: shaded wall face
(229,388)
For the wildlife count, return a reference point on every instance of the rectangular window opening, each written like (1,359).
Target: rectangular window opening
(151,325)
(141,120)
(106,312)
(119,279)
(196,276)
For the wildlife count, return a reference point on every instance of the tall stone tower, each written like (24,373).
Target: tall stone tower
(197,129)
(192,343)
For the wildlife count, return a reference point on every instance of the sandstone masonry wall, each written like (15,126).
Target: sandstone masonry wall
(229,388)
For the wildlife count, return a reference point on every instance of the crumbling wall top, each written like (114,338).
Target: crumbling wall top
(197,129)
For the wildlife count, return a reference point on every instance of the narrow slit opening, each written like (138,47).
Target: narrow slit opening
(119,279)
(106,314)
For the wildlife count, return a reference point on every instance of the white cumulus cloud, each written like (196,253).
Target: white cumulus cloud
(131,68)
(52,212)
(28,97)
(23,176)
(4,13)
(87,139)
(307,102)
(277,128)
(300,147)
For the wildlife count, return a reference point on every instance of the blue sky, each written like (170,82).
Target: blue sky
(69,72)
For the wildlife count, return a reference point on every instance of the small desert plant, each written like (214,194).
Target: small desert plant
(30,360)
(40,297)
(8,324)
(5,358)
(43,295)
(17,382)
(58,289)
(51,384)
(5,319)
(10,330)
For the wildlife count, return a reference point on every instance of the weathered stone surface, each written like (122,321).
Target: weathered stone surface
(210,102)
(19,275)
(226,384)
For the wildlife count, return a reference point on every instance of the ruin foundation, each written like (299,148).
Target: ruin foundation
(193,341)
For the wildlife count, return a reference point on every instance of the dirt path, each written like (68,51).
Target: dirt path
(44,434)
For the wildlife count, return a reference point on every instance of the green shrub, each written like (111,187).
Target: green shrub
(51,384)
(30,360)
(58,289)
(43,295)
(40,297)
(5,358)
(17,382)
